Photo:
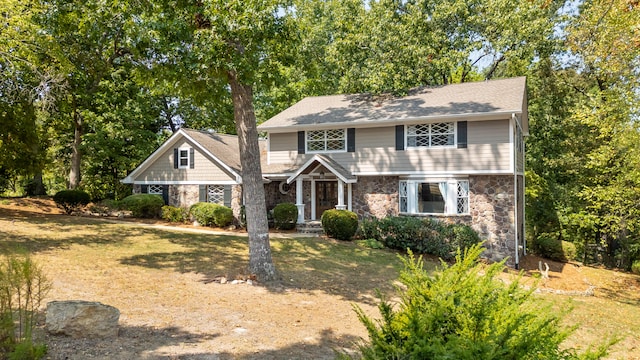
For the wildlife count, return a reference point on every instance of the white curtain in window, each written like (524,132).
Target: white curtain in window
(443,191)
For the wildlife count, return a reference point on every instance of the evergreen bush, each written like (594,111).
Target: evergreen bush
(209,214)
(71,200)
(174,214)
(285,216)
(465,312)
(635,267)
(339,224)
(143,205)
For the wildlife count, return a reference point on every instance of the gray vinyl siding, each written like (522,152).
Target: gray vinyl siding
(163,169)
(488,150)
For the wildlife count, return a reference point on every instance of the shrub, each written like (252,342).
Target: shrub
(174,214)
(421,235)
(465,312)
(208,214)
(635,267)
(339,224)
(569,250)
(71,200)
(285,216)
(554,249)
(143,205)
(23,287)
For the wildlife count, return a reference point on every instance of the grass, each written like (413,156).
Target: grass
(351,271)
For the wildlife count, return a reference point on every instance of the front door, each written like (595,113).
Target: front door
(326,196)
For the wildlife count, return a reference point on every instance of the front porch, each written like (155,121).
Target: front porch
(327,184)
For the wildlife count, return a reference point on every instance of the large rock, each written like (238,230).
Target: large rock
(78,319)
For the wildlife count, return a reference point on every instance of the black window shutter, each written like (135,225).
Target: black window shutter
(165,194)
(202,194)
(227,195)
(191,157)
(351,139)
(300,142)
(399,137)
(144,189)
(175,158)
(462,134)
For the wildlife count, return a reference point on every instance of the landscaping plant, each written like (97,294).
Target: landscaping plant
(143,205)
(174,214)
(465,312)
(208,214)
(71,200)
(339,224)
(285,216)
(23,288)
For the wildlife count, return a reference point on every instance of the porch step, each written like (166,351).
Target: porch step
(310,227)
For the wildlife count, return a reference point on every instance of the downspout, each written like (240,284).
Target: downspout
(515,188)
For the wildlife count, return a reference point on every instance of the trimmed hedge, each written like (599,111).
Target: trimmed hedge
(209,214)
(339,224)
(285,216)
(174,214)
(421,235)
(143,205)
(71,200)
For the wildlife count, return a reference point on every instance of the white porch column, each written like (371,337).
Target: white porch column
(313,199)
(349,197)
(341,205)
(299,200)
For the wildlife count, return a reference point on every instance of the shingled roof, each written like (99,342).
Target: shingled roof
(476,99)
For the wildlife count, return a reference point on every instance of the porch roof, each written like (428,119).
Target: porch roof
(331,165)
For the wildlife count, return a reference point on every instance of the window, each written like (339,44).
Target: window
(326,140)
(431,135)
(437,197)
(183,158)
(155,189)
(215,194)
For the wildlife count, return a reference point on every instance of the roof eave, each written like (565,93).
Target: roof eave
(395,121)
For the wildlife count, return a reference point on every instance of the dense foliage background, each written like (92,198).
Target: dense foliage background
(90,88)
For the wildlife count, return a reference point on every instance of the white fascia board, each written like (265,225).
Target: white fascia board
(434,173)
(325,164)
(393,121)
(192,182)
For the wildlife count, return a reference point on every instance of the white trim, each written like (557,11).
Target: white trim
(322,162)
(434,173)
(169,143)
(498,115)
(512,147)
(416,147)
(187,149)
(325,151)
(191,182)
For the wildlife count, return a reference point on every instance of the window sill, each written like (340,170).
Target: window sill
(436,215)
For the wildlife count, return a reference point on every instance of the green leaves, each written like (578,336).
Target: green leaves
(464,311)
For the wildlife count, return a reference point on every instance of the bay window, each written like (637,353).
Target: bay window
(434,197)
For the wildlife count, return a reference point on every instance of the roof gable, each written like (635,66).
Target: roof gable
(504,96)
(220,148)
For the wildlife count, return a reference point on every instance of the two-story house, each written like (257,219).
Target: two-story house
(453,152)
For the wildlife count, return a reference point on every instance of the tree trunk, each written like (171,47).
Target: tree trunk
(260,261)
(76,154)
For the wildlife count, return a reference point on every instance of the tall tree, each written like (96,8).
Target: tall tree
(232,47)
